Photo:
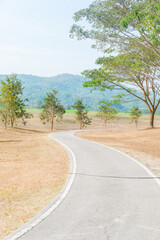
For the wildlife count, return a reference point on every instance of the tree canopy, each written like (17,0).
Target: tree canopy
(121,23)
(51,108)
(81,113)
(12,104)
(128,33)
(127,73)
(135,114)
(107,112)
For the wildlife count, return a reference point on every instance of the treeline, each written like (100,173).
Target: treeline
(13,107)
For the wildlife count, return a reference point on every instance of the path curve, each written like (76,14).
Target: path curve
(112,198)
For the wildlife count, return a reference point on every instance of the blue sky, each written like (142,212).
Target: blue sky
(34,38)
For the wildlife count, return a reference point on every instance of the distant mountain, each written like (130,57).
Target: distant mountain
(70,87)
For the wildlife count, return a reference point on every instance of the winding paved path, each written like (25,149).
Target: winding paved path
(112,198)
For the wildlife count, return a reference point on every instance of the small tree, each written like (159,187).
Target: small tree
(51,109)
(106,112)
(12,104)
(82,114)
(135,114)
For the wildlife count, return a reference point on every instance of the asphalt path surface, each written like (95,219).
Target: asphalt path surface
(112,198)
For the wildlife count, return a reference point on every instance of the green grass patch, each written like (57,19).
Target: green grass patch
(33,110)
(71,111)
(37,110)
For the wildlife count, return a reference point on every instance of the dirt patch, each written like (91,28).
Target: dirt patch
(144,145)
(33,169)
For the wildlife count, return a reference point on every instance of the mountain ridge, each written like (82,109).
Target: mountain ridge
(69,86)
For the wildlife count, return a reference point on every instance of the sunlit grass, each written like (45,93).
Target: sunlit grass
(33,110)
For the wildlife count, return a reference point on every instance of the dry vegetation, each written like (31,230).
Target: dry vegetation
(27,154)
(141,144)
(33,169)
(122,121)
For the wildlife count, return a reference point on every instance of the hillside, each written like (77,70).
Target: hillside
(70,88)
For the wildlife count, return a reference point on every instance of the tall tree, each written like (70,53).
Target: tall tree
(130,29)
(81,113)
(5,100)
(12,104)
(127,73)
(51,109)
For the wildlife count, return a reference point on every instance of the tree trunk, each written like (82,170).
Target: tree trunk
(52,120)
(152,119)
(136,122)
(51,124)
(5,125)
(80,124)
(11,123)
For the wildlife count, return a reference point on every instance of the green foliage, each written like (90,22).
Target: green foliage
(104,18)
(130,29)
(145,16)
(12,105)
(51,109)
(121,24)
(118,24)
(135,114)
(127,73)
(81,113)
(107,112)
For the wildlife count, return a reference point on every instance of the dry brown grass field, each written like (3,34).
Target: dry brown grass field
(27,154)
(142,144)
(33,169)
(122,121)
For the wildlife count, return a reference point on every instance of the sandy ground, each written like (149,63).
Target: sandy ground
(33,169)
(143,144)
